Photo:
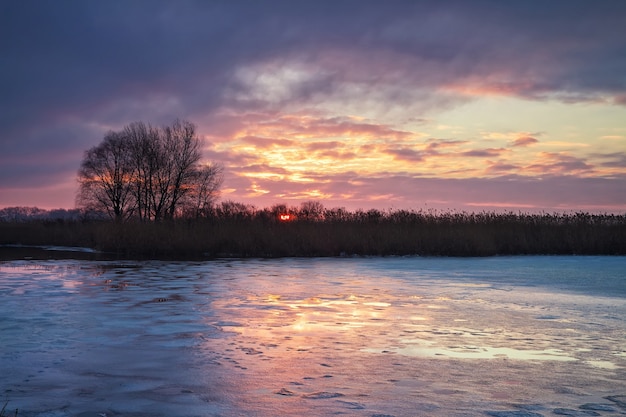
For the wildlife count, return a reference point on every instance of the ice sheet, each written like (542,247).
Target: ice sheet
(358,336)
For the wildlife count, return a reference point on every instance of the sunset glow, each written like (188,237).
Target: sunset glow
(404,105)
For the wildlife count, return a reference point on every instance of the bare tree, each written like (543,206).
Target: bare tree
(148,172)
(182,153)
(202,191)
(141,138)
(105,178)
(311,210)
(233,210)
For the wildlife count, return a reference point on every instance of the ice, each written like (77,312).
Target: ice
(508,336)
(53,248)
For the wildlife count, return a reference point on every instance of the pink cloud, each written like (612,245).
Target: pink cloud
(483,153)
(230,157)
(402,191)
(552,163)
(260,169)
(433,144)
(339,156)
(316,146)
(502,168)
(525,141)
(405,154)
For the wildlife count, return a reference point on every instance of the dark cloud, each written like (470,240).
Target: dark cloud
(70,57)
(72,69)
(45,155)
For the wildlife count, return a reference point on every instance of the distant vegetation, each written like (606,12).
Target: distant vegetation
(232,229)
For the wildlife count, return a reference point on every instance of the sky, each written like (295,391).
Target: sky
(446,105)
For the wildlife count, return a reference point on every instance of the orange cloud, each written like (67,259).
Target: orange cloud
(305,155)
(339,156)
(264,143)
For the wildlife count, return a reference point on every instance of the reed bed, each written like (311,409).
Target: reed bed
(335,233)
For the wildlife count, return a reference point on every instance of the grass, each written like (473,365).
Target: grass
(332,233)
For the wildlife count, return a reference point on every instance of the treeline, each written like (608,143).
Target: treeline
(238,230)
(24,213)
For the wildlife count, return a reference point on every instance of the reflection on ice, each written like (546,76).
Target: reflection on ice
(431,350)
(603,364)
(398,336)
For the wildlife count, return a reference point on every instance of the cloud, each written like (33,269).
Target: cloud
(525,141)
(433,145)
(483,153)
(197,56)
(506,192)
(264,143)
(316,146)
(278,84)
(290,53)
(405,154)
(501,168)
(261,170)
(551,163)
(44,156)
(338,156)
(612,160)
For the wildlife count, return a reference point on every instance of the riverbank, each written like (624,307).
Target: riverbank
(365,233)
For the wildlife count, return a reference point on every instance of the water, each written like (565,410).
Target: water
(314,337)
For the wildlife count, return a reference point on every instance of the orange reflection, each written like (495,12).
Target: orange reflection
(300,345)
(293,321)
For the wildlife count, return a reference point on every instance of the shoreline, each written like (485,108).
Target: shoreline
(10,253)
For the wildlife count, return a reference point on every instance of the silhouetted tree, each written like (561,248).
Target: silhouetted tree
(311,210)
(198,198)
(105,178)
(147,172)
(233,210)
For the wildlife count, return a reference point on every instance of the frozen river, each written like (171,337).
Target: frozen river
(501,336)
